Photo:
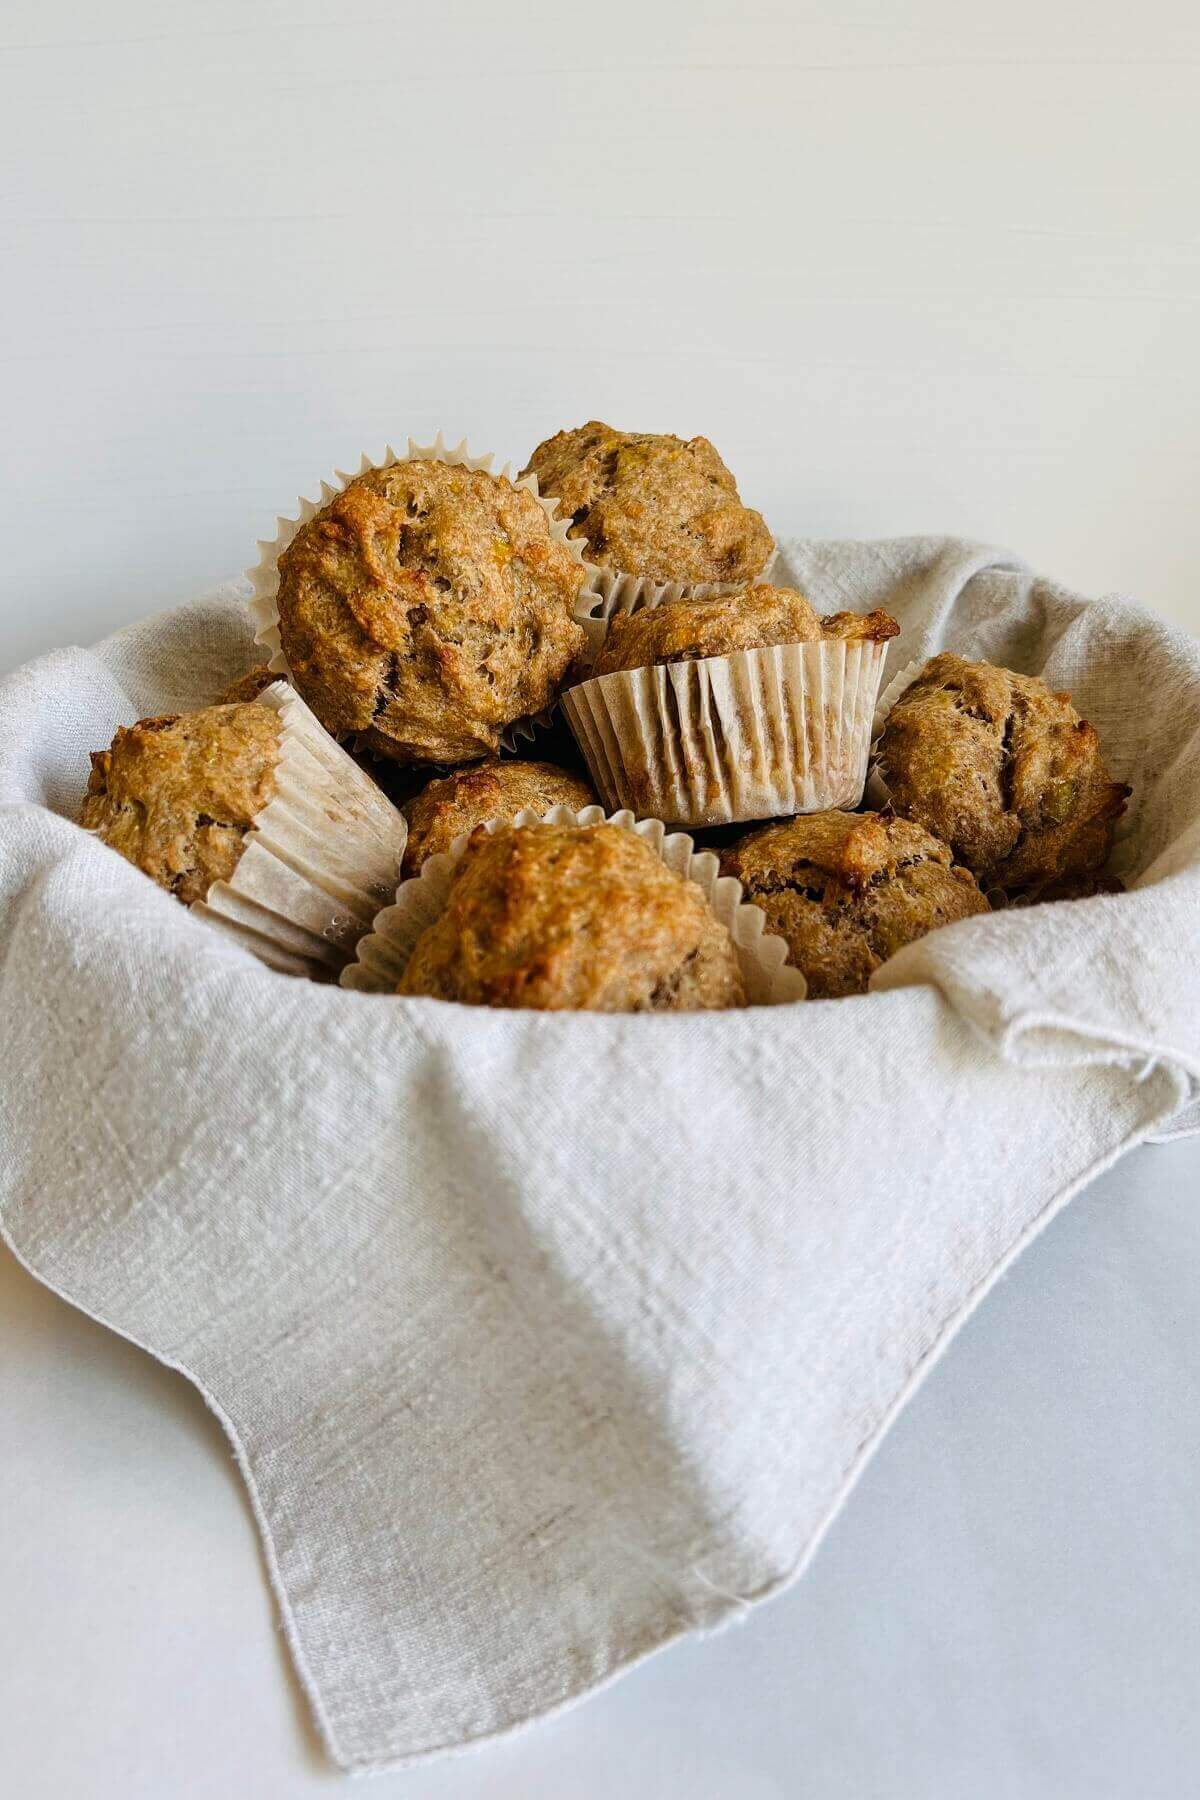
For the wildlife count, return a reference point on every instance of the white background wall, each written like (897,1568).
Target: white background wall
(914,267)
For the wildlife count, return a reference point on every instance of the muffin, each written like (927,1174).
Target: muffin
(750,618)
(251,815)
(176,796)
(426,608)
(847,890)
(249,686)
(488,790)
(652,505)
(1005,772)
(745,705)
(571,918)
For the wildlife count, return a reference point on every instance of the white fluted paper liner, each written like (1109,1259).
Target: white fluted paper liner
(759,734)
(877,792)
(319,860)
(263,604)
(767,977)
(889,695)
(614,592)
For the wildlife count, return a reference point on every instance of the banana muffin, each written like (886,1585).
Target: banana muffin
(650,504)
(487,790)
(571,918)
(177,795)
(249,686)
(426,608)
(1005,772)
(750,618)
(847,890)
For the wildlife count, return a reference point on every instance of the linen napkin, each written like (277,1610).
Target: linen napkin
(542,1340)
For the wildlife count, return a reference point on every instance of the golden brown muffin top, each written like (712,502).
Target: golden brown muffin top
(568,917)
(487,790)
(1005,771)
(177,795)
(847,890)
(751,618)
(249,686)
(427,607)
(649,504)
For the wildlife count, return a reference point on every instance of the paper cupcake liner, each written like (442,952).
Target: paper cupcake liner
(877,793)
(768,978)
(889,695)
(756,735)
(263,604)
(319,860)
(615,592)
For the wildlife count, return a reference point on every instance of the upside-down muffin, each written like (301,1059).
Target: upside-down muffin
(847,890)
(572,918)
(177,795)
(426,608)
(750,618)
(493,789)
(646,503)
(1005,772)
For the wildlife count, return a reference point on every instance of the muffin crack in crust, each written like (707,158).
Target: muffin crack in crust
(427,607)
(665,992)
(651,504)
(389,686)
(1006,772)
(847,890)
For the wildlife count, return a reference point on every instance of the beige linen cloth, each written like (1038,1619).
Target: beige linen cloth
(542,1339)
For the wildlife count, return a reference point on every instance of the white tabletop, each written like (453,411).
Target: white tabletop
(919,268)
